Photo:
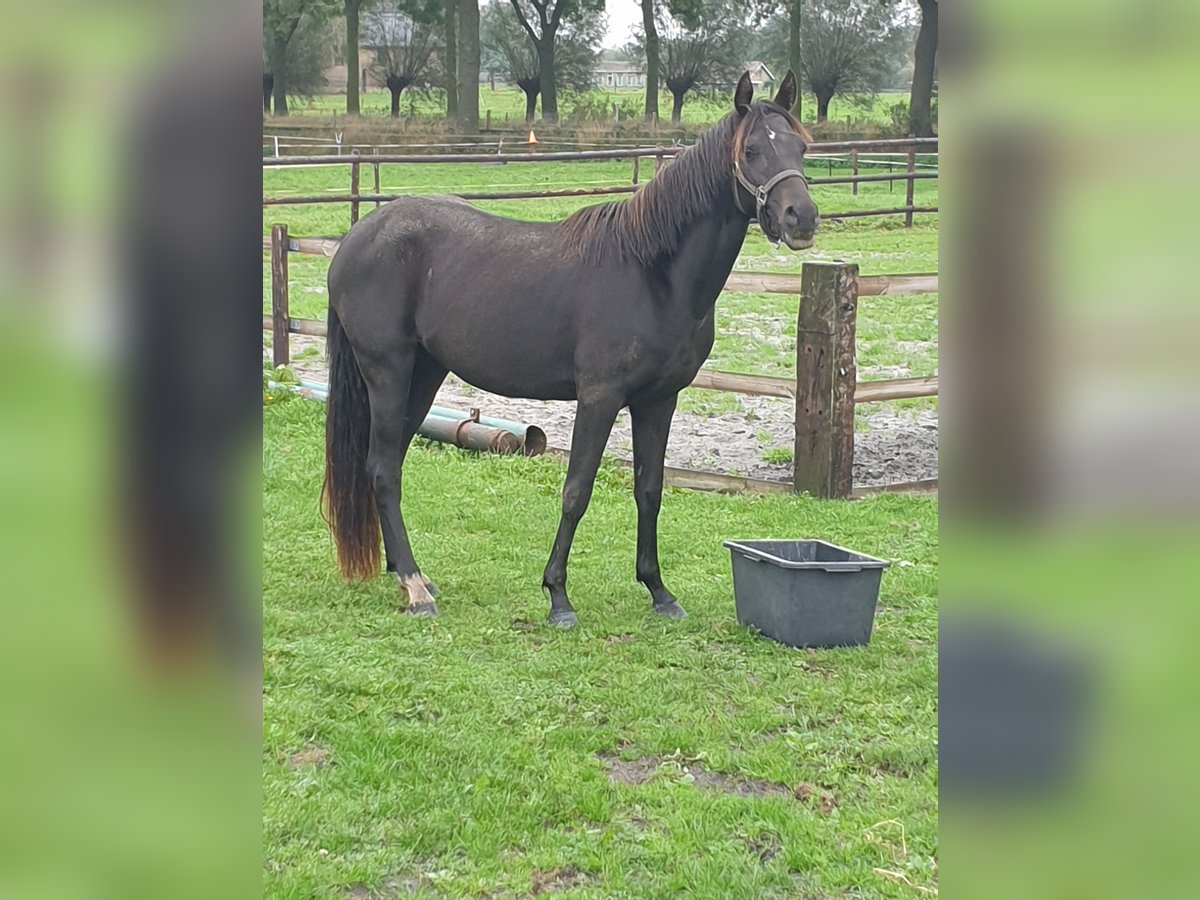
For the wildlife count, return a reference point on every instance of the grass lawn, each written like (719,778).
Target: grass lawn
(507,104)
(486,754)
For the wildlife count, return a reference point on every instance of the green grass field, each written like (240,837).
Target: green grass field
(484,754)
(507,105)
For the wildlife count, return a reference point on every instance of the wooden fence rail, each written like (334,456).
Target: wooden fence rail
(825,388)
(909,147)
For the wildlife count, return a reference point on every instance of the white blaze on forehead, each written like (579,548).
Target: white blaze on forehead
(770,133)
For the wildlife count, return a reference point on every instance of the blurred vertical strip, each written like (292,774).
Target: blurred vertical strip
(130,674)
(1070,468)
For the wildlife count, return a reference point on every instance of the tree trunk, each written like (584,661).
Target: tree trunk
(279,73)
(352,7)
(268,82)
(920,116)
(546,76)
(794,49)
(468,66)
(677,107)
(396,91)
(531,95)
(451,59)
(651,60)
(823,106)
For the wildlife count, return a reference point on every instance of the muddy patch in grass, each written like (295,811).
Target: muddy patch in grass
(765,846)
(730,784)
(629,771)
(816,797)
(556,880)
(316,757)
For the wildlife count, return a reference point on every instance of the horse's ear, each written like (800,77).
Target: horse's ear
(786,97)
(743,95)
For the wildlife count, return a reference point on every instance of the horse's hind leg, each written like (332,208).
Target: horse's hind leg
(651,426)
(398,381)
(428,375)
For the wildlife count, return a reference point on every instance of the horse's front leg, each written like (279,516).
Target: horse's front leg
(594,419)
(651,427)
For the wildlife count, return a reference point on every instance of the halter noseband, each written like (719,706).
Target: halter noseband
(761,191)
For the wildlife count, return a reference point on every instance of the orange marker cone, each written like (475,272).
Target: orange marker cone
(532,137)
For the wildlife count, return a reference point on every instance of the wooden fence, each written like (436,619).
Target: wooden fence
(825,388)
(909,148)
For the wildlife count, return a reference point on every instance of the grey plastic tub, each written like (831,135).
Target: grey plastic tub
(806,593)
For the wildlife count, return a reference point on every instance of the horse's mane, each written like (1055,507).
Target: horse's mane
(649,224)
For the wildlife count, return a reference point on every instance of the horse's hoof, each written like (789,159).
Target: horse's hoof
(671,610)
(423,609)
(431,587)
(562,618)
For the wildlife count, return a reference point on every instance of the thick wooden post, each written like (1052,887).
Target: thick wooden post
(854,171)
(354,181)
(636,165)
(825,380)
(908,193)
(377,191)
(280,355)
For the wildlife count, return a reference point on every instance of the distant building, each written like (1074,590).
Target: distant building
(618,73)
(761,77)
(614,72)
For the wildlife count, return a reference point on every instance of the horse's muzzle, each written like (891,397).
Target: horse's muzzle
(800,224)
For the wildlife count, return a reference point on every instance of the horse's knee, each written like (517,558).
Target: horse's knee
(384,477)
(575,499)
(648,500)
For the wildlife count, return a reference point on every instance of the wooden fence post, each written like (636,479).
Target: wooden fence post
(354,181)
(636,164)
(854,171)
(658,160)
(280,355)
(825,380)
(908,194)
(377,191)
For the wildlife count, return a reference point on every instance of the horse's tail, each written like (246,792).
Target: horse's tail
(347,496)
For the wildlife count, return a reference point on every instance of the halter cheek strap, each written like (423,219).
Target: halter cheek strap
(760,192)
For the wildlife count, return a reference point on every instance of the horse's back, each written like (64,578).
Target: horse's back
(492,299)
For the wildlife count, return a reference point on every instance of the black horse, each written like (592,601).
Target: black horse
(612,307)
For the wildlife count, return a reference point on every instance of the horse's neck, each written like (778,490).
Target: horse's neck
(708,249)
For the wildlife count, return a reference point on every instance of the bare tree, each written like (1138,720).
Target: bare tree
(924,59)
(849,45)
(650,39)
(351,9)
(467,65)
(542,21)
(283,21)
(450,56)
(404,48)
(703,45)
(508,49)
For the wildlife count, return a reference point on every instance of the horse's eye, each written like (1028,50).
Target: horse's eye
(751,153)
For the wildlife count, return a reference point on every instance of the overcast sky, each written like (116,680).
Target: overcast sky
(622,15)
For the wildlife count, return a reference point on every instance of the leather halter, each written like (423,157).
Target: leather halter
(760,192)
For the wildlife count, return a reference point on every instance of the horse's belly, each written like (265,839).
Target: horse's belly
(504,358)
(515,381)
